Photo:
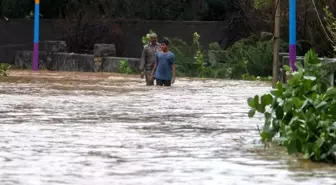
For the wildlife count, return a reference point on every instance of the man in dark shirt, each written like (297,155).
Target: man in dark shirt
(148,59)
(164,69)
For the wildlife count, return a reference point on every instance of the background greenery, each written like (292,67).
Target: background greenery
(246,59)
(245,17)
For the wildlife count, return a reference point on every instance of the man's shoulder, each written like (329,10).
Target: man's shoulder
(146,46)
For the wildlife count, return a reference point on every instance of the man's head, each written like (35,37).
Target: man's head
(153,38)
(164,44)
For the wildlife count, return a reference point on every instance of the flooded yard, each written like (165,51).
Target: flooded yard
(60,128)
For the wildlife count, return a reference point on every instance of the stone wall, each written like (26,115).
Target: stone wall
(54,58)
(17,35)
(112,64)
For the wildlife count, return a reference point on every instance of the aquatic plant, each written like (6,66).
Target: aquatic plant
(301,115)
(4,69)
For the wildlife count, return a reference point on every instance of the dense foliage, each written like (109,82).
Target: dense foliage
(143,9)
(247,58)
(301,113)
(190,58)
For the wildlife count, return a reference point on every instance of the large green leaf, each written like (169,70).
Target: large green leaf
(250,102)
(311,58)
(276,93)
(331,92)
(288,106)
(291,147)
(266,99)
(252,112)
(258,106)
(279,112)
(322,105)
(286,68)
(297,102)
(332,110)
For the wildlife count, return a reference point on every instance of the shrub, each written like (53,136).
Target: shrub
(125,68)
(4,69)
(190,58)
(302,113)
(247,57)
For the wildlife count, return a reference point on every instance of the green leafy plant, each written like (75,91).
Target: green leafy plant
(145,39)
(190,58)
(4,69)
(125,68)
(301,115)
(247,57)
(184,53)
(199,56)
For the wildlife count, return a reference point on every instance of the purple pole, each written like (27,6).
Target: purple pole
(35,56)
(36,35)
(292,33)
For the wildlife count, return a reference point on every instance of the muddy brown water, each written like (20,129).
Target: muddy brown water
(93,128)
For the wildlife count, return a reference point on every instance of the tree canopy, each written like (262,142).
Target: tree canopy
(140,9)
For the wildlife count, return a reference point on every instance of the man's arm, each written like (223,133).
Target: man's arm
(155,65)
(173,68)
(143,59)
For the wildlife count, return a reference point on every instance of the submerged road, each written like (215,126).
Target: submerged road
(103,129)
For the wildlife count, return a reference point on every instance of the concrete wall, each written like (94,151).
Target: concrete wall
(17,35)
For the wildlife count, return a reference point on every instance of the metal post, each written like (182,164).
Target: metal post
(36,35)
(292,33)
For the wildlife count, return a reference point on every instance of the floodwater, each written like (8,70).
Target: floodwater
(94,128)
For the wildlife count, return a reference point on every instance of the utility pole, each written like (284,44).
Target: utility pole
(36,35)
(292,33)
(276,44)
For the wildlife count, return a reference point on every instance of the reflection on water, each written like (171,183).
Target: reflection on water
(92,128)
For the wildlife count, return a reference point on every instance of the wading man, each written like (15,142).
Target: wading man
(164,69)
(148,59)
